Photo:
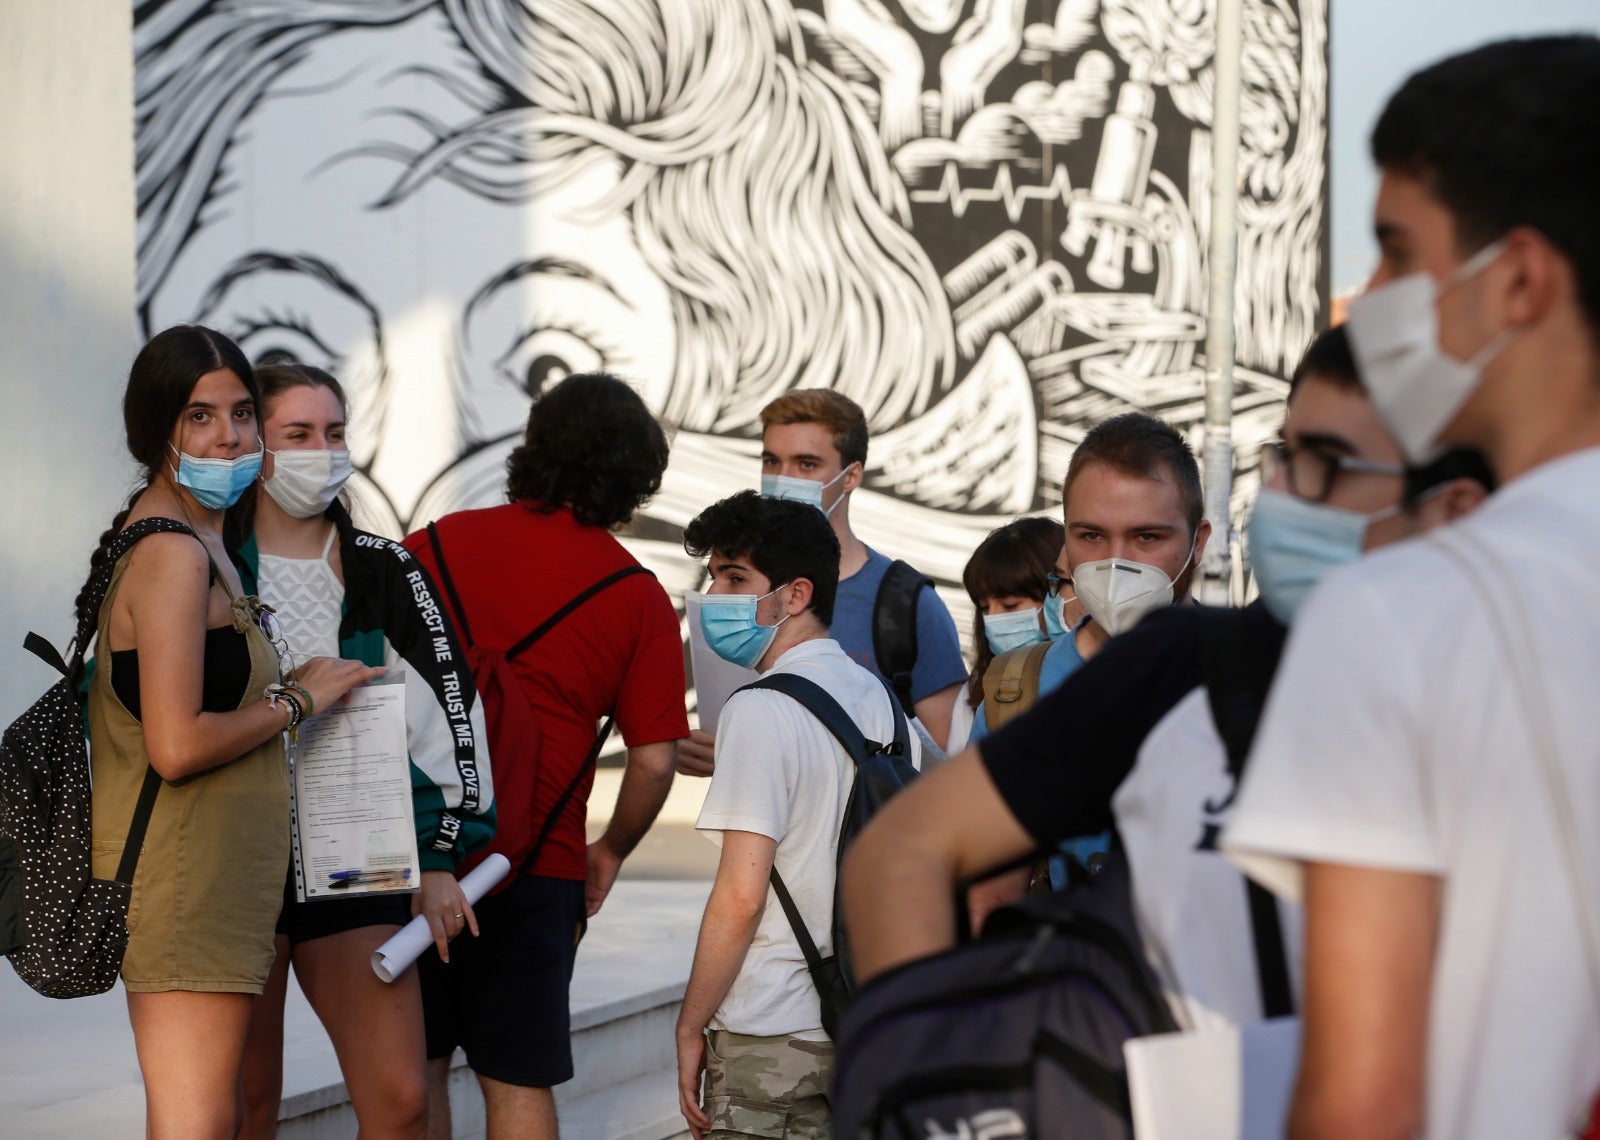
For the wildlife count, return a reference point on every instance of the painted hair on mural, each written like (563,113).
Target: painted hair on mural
(787,267)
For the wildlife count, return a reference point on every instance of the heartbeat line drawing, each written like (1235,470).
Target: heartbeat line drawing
(1012,196)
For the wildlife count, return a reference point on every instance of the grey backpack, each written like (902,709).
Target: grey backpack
(1016,1035)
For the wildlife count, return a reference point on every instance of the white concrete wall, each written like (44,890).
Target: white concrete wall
(67,332)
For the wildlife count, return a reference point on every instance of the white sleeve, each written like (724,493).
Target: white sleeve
(749,782)
(1338,771)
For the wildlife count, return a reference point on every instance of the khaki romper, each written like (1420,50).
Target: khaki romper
(209,883)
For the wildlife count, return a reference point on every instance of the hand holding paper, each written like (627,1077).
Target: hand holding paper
(390,960)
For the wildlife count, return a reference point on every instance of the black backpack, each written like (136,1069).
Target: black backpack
(1021,1032)
(881,771)
(894,628)
(64,930)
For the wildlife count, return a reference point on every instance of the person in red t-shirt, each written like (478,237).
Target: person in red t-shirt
(592,455)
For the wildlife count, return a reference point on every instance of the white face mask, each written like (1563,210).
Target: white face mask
(304,483)
(800,490)
(1117,593)
(1394,335)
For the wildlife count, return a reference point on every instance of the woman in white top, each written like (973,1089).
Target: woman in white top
(334,587)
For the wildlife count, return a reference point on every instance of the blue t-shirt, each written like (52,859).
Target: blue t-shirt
(939,663)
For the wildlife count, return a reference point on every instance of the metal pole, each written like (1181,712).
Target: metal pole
(1216,568)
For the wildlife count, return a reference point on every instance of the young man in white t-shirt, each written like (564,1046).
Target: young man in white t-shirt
(751,1017)
(1398,782)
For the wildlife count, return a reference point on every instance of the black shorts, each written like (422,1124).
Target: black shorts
(303,921)
(503,996)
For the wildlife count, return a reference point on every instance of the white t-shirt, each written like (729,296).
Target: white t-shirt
(1191,903)
(781,774)
(1395,739)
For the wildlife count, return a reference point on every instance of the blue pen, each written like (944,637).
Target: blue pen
(337,876)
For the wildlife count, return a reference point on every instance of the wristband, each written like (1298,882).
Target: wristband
(309,705)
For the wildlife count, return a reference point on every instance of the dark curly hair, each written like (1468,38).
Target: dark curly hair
(591,446)
(784,540)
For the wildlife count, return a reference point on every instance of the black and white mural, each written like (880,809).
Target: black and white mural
(983,220)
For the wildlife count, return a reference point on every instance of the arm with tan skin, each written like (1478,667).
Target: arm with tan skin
(645,783)
(1370,938)
(166,592)
(935,712)
(696,755)
(738,898)
(900,875)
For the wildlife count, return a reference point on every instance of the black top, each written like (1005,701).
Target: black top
(1058,765)
(226,673)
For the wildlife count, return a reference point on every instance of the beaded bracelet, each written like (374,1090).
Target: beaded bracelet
(275,693)
(310,706)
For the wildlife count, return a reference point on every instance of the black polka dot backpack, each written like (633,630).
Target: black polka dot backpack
(64,930)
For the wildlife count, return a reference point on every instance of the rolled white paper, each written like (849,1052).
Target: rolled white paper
(390,960)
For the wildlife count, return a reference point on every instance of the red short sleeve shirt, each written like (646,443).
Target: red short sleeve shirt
(621,650)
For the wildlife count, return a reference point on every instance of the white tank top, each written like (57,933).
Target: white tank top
(308,597)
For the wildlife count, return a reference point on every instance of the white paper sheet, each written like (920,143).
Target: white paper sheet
(390,960)
(714,678)
(354,832)
(1221,1084)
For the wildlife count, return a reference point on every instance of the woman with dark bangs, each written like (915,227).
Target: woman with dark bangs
(1006,580)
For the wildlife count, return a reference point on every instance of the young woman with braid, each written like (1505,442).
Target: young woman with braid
(343,592)
(186,685)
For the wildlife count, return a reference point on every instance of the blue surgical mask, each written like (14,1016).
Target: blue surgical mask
(1014,630)
(217,483)
(1293,545)
(1055,616)
(731,630)
(800,490)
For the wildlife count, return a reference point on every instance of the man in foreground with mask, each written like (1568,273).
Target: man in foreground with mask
(1128,741)
(751,1016)
(1425,777)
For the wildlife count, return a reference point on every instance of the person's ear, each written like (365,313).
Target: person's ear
(1451,501)
(853,475)
(1538,274)
(800,595)
(1202,534)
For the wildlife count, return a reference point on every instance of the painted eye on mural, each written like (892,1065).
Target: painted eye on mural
(549,354)
(278,338)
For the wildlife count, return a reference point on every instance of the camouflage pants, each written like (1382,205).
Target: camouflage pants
(772,1087)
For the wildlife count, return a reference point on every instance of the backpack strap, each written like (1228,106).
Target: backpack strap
(449,583)
(566,795)
(894,628)
(1011,683)
(125,541)
(1230,667)
(816,701)
(544,627)
(554,619)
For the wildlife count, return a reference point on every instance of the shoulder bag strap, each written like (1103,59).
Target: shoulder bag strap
(1225,660)
(1011,683)
(449,583)
(1479,562)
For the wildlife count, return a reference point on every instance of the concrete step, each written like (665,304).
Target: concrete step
(73,1073)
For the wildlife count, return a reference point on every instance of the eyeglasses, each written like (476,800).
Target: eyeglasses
(1054,583)
(1310,473)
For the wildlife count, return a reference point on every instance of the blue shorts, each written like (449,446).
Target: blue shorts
(503,996)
